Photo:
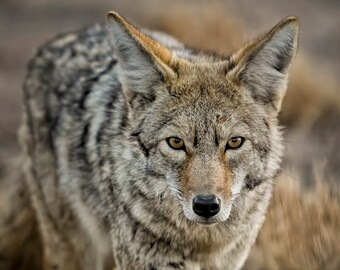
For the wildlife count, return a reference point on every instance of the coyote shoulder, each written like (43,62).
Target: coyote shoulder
(143,154)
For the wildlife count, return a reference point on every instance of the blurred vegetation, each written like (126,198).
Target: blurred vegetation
(302,228)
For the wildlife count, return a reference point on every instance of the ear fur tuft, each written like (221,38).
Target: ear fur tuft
(263,65)
(143,62)
(149,45)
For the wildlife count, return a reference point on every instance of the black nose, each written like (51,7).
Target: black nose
(206,205)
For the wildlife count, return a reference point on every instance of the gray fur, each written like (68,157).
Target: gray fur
(104,184)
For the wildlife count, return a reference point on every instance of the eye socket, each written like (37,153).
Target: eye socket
(234,143)
(175,143)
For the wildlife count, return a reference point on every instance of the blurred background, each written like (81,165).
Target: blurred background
(305,208)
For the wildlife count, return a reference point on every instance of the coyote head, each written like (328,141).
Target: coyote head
(207,126)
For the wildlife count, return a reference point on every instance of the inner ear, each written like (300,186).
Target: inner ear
(135,49)
(144,67)
(263,65)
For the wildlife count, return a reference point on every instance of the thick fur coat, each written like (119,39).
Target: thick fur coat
(109,187)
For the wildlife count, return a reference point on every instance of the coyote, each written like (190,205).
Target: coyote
(142,153)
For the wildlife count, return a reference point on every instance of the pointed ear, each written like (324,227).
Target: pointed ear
(263,66)
(143,62)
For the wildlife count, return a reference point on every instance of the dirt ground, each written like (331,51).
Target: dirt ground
(311,111)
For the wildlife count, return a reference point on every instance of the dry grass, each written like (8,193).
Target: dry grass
(20,244)
(302,228)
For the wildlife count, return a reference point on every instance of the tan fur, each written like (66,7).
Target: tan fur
(98,163)
(202,176)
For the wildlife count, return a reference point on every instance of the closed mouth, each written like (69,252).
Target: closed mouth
(209,221)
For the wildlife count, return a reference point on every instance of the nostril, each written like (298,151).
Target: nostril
(215,207)
(198,207)
(206,206)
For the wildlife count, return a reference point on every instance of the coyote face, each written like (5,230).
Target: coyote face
(209,140)
(206,139)
(206,126)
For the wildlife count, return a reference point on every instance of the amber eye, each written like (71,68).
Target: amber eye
(234,143)
(175,143)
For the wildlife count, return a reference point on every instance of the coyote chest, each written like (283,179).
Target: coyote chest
(142,154)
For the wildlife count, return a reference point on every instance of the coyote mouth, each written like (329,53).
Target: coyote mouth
(208,222)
